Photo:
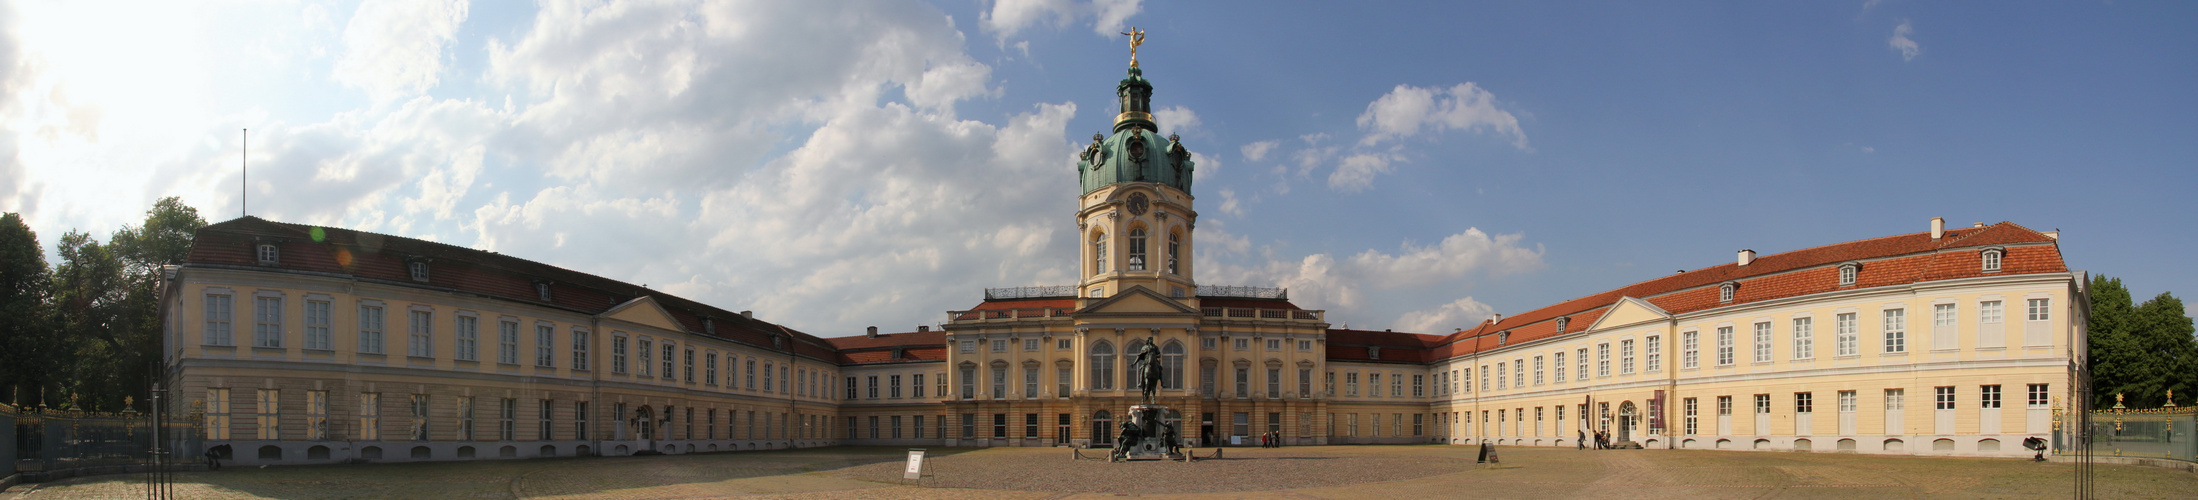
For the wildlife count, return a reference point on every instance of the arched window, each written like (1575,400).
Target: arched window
(1102,427)
(1724,292)
(1175,249)
(1171,360)
(1992,260)
(1137,249)
(1847,273)
(1098,252)
(1102,366)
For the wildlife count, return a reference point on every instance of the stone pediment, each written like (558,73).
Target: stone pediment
(1629,311)
(644,311)
(1137,300)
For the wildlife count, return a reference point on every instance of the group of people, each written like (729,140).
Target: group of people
(1270,440)
(1602,440)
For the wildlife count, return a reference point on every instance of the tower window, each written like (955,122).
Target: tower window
(1175,249)
(1098,253)
(268,254)
(1137,249)
(1991,260)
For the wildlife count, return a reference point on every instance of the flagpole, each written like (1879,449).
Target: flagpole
(244,185)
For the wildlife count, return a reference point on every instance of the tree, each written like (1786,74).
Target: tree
(2139,351)
(29,348)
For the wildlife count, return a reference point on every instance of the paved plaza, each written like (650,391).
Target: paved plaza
(1385,472)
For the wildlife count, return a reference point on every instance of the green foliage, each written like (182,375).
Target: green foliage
(2140,351)
(30,349)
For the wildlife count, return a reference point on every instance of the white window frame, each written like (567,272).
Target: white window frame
(1804,337)
(1991,259)
(1895,330)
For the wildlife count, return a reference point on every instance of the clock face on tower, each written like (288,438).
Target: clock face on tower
(1138,204)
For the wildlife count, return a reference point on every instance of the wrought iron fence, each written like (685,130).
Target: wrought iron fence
(2169,433)
(38,440)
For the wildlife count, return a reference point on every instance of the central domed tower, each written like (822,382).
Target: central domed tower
(1135,215)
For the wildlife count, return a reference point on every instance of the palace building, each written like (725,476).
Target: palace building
(303,344)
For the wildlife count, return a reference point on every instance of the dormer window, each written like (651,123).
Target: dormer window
(268,254)
(709,326)
(419,271)
(1562,323)
(1847,273)
(1503,337)
(1373,353)
(1724,292)
(1992,260)
(542,289)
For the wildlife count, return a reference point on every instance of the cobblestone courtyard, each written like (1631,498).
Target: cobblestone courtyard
(1312,472)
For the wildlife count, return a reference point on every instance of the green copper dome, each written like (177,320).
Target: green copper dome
(1136,152)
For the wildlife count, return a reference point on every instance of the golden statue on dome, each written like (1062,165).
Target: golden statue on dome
(1137,37)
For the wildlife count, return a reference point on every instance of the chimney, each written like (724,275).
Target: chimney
(873,333)
(1938,228)
(1979,224)
(748,314)
(2054,234)
(923,328)
(1746,256)
(1495,318)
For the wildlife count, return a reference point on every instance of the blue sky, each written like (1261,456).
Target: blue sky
(1404,165)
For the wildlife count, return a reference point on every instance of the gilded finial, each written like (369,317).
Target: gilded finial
(2170,399)
(1137,37)
(2118,401)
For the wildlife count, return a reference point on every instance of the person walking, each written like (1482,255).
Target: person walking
(1580,444)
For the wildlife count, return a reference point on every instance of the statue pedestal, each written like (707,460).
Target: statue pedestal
(1152,442)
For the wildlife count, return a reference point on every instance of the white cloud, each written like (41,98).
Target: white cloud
(1230,204)
(1900,41)
(1009,17)
(1321,281)
(1178,120)
(396,48)
(1404,111)
(1258,150)
(1445,318)
(1356,172)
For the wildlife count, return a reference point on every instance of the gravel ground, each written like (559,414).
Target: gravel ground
(1244,469)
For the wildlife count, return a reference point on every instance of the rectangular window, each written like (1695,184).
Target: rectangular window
(1558,360)
(469,338)
(1602,360)
(1943,397)
(1804,338)
(1762,403)
(2039,398)
(1030,384)
(646,350)
(1207,343)
(1243,344)
(1503,377)
(270,404)
(1350,384)
(1030,425)
(1990,311)
(266,322)
(969,382)
(419,417)
(969,347)
(618,355)
(1896,330)
(316,325)
(709,369)
(1847,401)
(545,342)
(1274,382)
(507,420)
(1419,382)
(999,425)
(1690,409)
(1944,334)
(969,426)
(465,418)
(1690,349)
(370,416)
(217,413)
(1625,356)
(1655,353)
(507,346)
(1763,342)
(667,360)
(1896,399)
(316,415)
(2039,310)
(1988,396)
(218,330)
(579,349)
(1030,344)
(545,425)
(750,379)
(893,386)
(1305,382)
(1329,384)
(1724,406)
(580,420)
(1274,344)
(916,431)
(999,346)
(871,386)
(422,335)
(1804,402)
(370,329)
(1724,345)
(999,382)
(1396,385)
(1244,383)
(1846,334)
(1580,371)
(1061,378)
(1305,345)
